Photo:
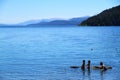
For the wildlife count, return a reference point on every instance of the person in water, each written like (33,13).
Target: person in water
(83,65)
(88,65)
(102,66)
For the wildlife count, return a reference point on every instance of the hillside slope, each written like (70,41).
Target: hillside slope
(109,17)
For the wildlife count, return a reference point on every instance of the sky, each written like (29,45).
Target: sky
(15,11)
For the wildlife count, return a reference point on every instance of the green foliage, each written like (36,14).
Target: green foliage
(110,17)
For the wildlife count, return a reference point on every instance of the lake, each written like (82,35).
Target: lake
(46,53)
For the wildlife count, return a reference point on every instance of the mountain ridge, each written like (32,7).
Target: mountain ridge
(109,17)
(51,22)
(72,21)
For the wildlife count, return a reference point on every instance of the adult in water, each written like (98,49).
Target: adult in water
(83,65)
(88,65)
(102,66)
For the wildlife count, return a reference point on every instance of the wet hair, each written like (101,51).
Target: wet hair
(89,61)
(83,61)
(101,63)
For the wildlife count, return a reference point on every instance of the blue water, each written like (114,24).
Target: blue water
(47,53)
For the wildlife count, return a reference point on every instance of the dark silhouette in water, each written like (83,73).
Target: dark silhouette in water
(74,67)
(83,72)
(102,74)
(86,76)
(88,65)
(83,65)
(102,66)
(89,76)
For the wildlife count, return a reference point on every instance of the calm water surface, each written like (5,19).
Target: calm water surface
(47,53)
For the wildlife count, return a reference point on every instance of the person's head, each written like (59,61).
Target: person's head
(84,61)
(89,61)
(101,63)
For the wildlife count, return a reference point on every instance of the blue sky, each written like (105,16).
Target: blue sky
(15,11)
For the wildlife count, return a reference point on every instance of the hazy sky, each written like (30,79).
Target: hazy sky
(15,11)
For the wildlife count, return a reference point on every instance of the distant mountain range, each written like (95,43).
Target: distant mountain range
(109,17)
(37,21)
(52,21)
(2,24)
(73,21)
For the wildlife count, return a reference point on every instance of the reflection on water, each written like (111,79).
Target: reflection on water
(83,74)
(102,74)
(87,75)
